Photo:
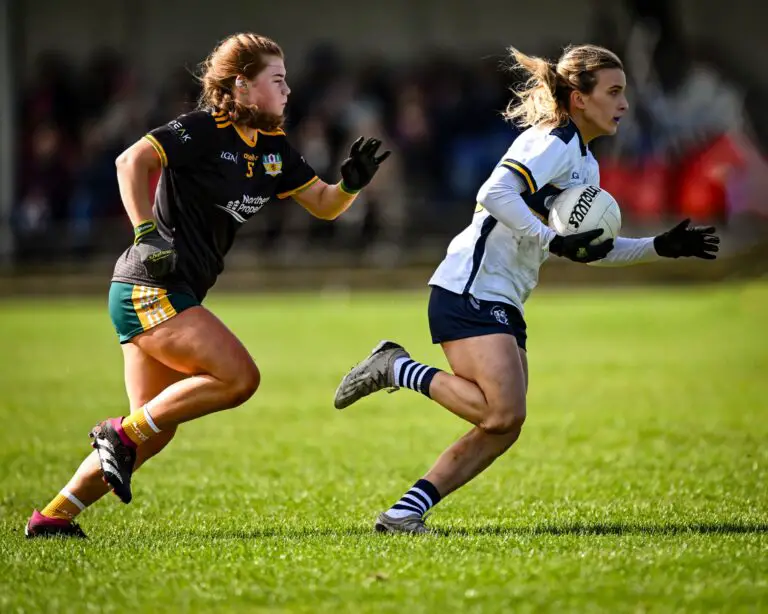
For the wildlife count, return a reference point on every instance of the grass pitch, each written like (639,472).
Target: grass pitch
(639,484)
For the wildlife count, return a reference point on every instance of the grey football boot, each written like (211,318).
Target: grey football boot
(376,372)
(409,524)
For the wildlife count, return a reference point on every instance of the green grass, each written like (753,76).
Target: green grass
(639,484)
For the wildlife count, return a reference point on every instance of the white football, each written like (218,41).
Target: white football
(583,208)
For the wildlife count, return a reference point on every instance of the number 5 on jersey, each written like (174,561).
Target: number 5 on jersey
(250,169)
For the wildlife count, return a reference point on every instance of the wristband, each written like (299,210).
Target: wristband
(142,229)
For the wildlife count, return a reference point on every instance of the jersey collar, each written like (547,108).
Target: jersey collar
(248,141)
(582,146)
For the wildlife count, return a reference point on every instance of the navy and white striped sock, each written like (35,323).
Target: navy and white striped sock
(414,375)
(418,500)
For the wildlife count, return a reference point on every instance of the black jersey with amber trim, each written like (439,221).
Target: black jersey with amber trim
(214,179)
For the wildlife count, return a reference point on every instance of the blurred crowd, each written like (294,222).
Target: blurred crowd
(689,147)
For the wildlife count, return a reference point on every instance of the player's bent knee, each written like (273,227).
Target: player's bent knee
(505,420)
(244,383)
(502,425)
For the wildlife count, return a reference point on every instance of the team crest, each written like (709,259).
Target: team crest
(500,314)
(273,164)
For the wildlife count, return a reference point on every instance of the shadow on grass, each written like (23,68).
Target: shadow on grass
(613,528)
(598,528)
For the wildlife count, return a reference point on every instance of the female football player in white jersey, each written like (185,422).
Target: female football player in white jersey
(478,291)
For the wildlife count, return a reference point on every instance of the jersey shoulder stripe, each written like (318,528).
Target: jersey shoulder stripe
(522,171)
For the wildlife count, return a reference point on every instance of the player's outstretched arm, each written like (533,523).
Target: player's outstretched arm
(681,241)
(328,202)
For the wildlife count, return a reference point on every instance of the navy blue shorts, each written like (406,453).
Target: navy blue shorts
(460,316)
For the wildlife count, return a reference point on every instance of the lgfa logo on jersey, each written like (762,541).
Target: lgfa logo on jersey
(273,164)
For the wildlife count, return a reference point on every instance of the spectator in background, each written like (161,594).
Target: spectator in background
(480,134)
(384,204)
(44,186)
(50,98)
(115,115)
(689,104)
(289,230)
(414,138)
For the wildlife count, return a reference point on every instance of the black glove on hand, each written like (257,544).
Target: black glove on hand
(577,246)
(682,241)
(157,255)
(361,165)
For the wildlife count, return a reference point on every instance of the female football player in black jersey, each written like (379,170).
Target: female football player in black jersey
(220,165)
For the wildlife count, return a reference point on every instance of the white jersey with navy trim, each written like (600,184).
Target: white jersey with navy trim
(498,256)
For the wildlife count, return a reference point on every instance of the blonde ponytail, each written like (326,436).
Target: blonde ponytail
(544,97)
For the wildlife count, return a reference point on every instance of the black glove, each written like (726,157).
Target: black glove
(157,255)
(577,246)
(682,241)
(361,165)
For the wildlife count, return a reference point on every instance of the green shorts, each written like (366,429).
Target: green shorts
(135,309)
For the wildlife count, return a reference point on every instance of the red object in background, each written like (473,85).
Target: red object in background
(616,179)
(641,191)
(701,183)
(652,190)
